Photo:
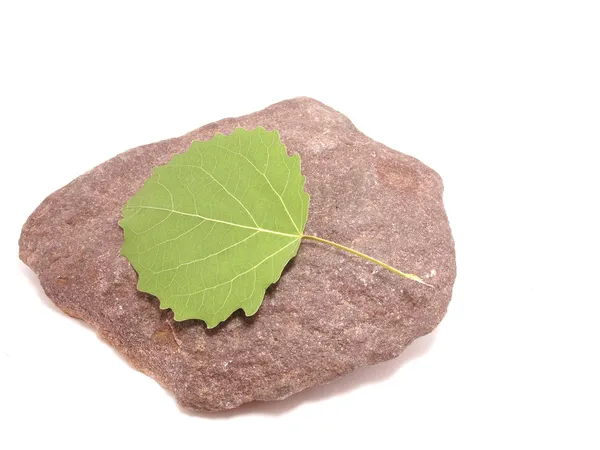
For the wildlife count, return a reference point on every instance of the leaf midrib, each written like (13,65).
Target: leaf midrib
(210,219)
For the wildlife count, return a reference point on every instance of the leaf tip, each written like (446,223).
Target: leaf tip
(418,279)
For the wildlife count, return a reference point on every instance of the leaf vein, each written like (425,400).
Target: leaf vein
(240,274)
(207,256)
(268,181)
(209,219)
(223,187)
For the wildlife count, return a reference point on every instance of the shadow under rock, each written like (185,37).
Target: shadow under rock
(362,376)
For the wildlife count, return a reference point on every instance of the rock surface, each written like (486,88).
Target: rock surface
(330,313)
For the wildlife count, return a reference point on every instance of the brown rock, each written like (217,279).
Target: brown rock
(330,313)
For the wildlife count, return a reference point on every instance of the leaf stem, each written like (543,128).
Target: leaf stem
(410,276)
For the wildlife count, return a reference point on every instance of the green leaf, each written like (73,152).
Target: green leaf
(212,229)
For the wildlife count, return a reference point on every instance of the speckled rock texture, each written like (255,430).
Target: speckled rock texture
(330,313)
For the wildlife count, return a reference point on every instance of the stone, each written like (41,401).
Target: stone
(330,313)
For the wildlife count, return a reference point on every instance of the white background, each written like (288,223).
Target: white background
(501,98)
